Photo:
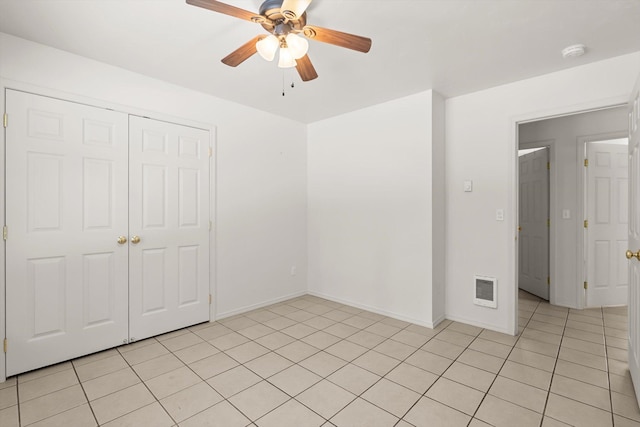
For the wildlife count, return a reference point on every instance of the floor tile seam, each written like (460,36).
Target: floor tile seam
(56,414)
(606,361)
(522,382)
(50,416)
(22,401)
(553,373)
(322,416)
(18,401)
(85,395)
(183,331)
(584,351)
(495,377)
(121,347)
(17,376)
(147,387)
(583,403)
(104,375)
(581,381)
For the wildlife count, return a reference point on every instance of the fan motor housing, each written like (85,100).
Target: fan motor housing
(271,11)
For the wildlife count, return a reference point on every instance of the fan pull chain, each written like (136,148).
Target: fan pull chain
(283,86)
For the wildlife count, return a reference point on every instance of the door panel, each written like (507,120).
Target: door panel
(66,198)
(607,207)
(169,187)
(634,239)
(533,268)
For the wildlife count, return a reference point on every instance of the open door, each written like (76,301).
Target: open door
(607,227)
(533,269)
(633,254)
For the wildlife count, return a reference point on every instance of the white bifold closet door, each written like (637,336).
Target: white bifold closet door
(108,229)
(169,213)
(66,198)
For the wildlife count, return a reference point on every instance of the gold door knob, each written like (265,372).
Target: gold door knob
(630,255)
(135,239)
(122,240)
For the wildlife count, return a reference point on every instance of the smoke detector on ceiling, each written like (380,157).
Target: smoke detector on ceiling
(573,51)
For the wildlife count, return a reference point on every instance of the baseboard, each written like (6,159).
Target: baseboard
(259,305)
(479,324)
(376,310)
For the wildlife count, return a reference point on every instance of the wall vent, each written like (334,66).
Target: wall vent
(485,291)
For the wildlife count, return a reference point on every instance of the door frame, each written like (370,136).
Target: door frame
(581,155)
(551,248)
(512,202)
(80,99)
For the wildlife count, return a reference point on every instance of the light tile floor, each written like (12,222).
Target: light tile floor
(311,362)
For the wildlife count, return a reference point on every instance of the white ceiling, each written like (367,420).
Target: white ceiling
(452,46)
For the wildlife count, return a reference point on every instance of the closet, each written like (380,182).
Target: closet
(107,238)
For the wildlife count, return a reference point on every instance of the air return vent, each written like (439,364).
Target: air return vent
(485,291)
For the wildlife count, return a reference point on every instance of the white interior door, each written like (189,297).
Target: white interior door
(608,225)
(533,268)
(634,238)
(66,198)
(169,213)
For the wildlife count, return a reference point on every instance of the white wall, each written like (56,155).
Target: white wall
(480,145)
(371,203)
(260,186)
(565,134)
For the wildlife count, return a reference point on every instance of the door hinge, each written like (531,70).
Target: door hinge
(586,163)
(210,152)
(586,285)
(5,232)
(548,281)
(210,225)
(586,223)
(5,345)
(210,299)
(548,165)
(548,222)
(5,120)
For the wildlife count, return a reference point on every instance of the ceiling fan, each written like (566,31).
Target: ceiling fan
(285,20)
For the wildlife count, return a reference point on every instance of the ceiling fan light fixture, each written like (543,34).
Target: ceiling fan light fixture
(267,47)
(298,46)
(286,60)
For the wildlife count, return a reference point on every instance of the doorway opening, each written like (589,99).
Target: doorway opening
(564,137)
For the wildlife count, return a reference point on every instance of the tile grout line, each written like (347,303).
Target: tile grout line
(553,372)
(499,370)
(85,394)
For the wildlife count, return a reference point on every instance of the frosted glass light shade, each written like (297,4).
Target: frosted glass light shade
(297,7)
(267,47)
(298,46)
(286,60)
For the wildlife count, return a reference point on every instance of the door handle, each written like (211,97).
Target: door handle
(122,240)
(135,239)
(630,254)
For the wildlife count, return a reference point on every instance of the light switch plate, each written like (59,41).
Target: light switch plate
(499,214)
(566,214)
(468,186)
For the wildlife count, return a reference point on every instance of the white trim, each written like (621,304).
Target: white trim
(512,202)
(483,325)
(251,307)
(391,314)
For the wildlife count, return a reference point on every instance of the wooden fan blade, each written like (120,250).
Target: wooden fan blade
(243,53)
(227,9)
(305,69)
(293,9)
(338,38)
